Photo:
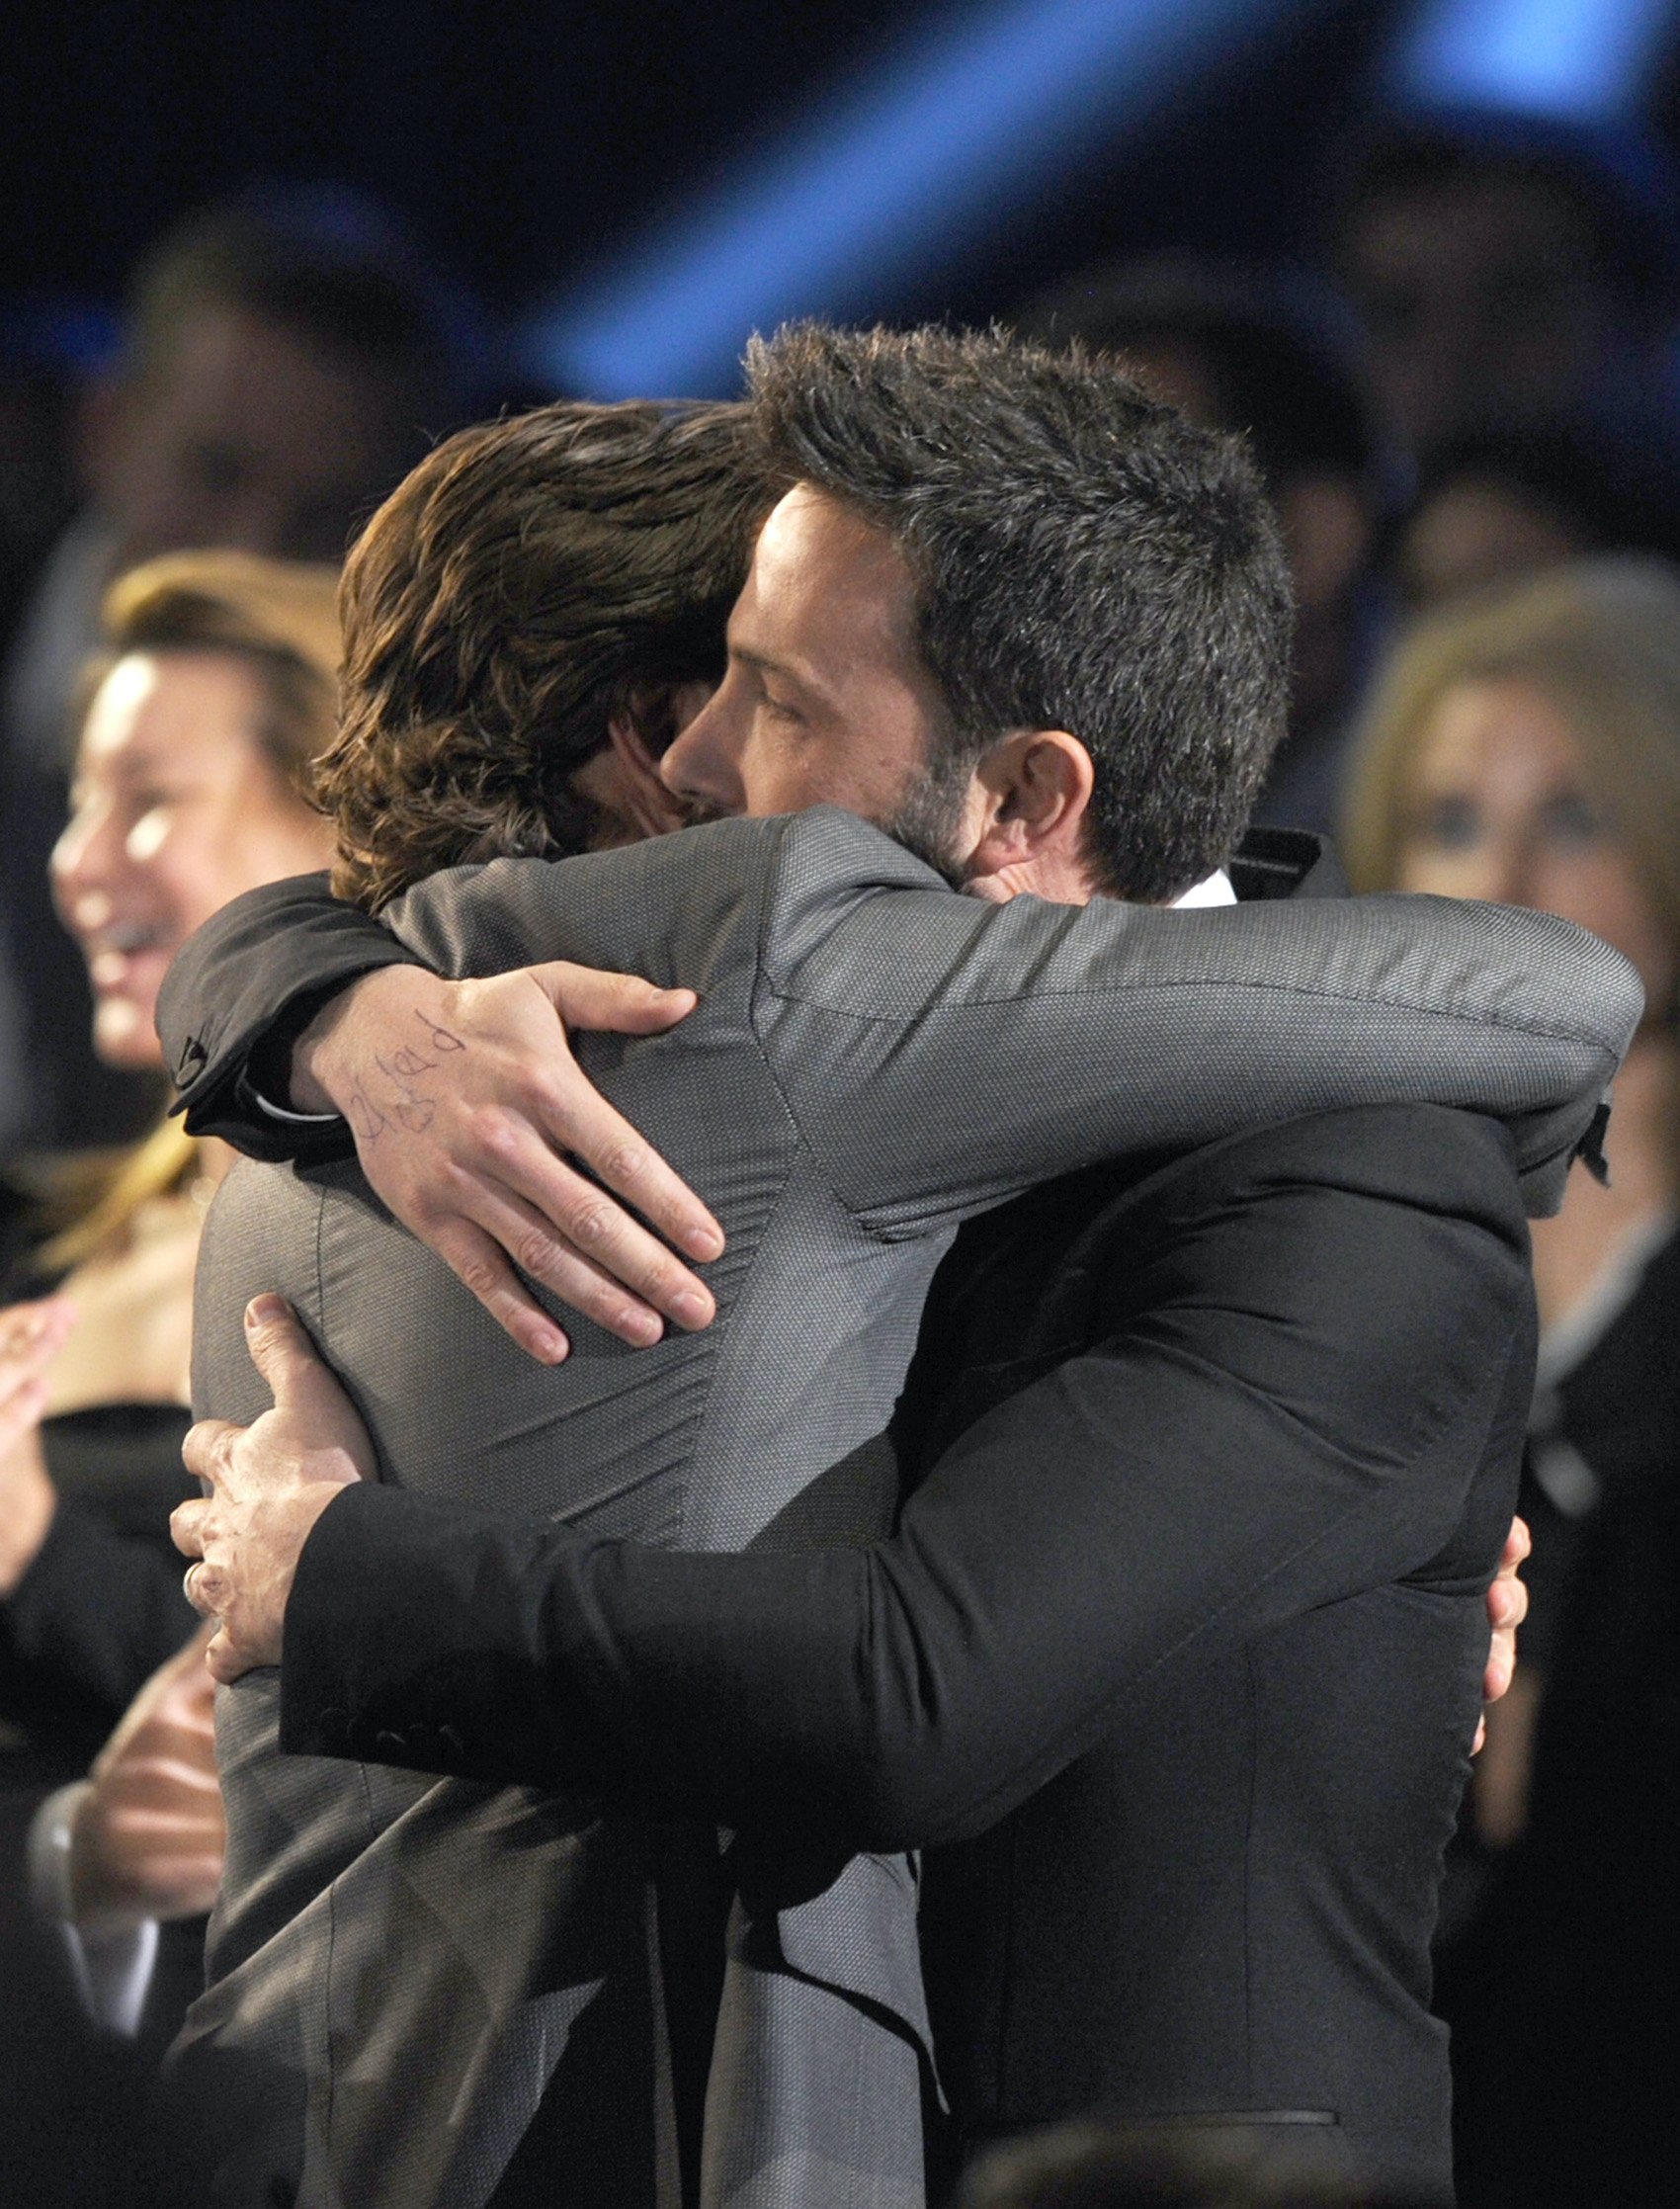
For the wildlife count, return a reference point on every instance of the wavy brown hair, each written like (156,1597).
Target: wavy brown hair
(530,580)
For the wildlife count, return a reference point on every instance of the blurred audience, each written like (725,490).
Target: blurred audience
(38,382)
(36,475)
(1526,748)
(288,357)
(1270,353)
(200,727)
(1494,507)
(1508,269)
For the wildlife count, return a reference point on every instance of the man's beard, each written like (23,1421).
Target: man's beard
(926,820)
(929,815)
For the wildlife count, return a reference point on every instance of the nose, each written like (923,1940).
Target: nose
(86,861)
(1502,872)
(703,763)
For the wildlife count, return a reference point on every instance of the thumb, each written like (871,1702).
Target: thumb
(303,1384)
(280,1349)
(166,1683)
(618,1004)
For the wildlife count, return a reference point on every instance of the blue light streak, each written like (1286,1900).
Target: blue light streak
(1569,60)
(982,113)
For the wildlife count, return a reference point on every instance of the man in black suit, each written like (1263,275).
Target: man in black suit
(1208,1896)
(1172,1666)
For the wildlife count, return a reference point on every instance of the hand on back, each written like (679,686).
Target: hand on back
(468,1106)
(268,1484)
(1507,1607)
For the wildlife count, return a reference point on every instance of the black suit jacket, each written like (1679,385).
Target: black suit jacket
(1172,1665)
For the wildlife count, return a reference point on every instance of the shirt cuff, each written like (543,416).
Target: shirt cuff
(263,1107)
(111,1971)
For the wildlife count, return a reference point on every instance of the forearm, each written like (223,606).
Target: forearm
(988,1047)
(111,1965)
(27,1511)
(1135,1508)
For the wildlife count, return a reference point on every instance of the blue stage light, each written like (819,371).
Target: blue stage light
(1569,60)
(987,106)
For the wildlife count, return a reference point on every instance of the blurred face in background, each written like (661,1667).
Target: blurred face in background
(176,806)
(248,435)
(1483,297)
(1474,531)
(1500,808)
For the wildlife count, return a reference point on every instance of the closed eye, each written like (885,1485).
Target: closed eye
(1571,819)
(1449,823)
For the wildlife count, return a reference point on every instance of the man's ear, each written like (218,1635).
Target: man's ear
(1027,815)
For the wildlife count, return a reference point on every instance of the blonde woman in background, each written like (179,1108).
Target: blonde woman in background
(1524,748)
(199,731)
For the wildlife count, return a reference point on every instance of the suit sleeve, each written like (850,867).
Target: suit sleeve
(257,971)
(940,1053)
(1293,1412)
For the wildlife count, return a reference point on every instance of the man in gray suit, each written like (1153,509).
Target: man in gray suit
(858,1025)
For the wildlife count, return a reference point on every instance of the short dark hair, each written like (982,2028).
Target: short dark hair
(1084,559)
(1608,491)
(528,580)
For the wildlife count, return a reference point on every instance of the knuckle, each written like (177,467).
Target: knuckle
(535,1252)
(493,1133)
(622,1161)
(443,1194)
(483,1278)
(552,1103)
(590,1225)
(664,1277)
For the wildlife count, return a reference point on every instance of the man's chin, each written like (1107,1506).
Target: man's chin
(925,823)
(927,826)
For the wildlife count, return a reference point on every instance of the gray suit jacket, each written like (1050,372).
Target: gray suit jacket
(403,1968)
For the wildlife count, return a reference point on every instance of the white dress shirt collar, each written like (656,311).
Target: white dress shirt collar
(1215,889)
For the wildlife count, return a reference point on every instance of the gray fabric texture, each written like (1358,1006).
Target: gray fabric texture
(413,1963)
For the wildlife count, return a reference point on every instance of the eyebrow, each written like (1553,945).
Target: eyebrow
(132,764)
(765,664)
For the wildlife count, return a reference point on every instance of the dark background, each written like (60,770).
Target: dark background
(529,141)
